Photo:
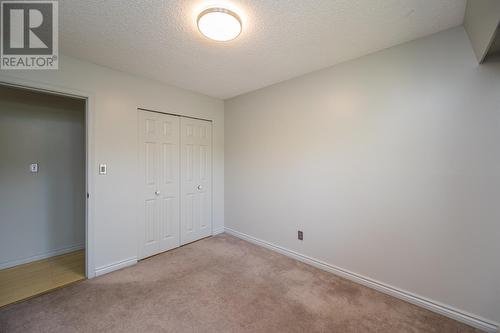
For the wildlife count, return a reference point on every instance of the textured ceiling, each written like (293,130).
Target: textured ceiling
(281,39)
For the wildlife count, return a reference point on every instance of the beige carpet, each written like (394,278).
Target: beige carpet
(220,284)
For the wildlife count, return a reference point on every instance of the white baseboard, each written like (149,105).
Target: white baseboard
(217,231)
(445,310)
(41,256)
(115,266)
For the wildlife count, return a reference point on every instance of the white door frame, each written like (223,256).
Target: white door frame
(89,151)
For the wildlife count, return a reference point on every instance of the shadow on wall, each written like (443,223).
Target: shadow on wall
(493,55)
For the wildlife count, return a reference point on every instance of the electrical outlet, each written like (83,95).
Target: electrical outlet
(300,235)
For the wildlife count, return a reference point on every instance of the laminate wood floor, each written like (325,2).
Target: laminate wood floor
(38,277)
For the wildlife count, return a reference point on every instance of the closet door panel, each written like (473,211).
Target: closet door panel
(196,179)
(149,178)
(159,187)
(205,178)
(169,182)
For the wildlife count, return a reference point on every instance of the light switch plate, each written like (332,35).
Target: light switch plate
(103,169)
(34,168)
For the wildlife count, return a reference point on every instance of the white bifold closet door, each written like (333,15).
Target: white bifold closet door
(196,176)
(159,168)
(175,161)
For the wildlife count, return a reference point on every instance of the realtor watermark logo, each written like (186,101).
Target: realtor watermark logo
(29,32)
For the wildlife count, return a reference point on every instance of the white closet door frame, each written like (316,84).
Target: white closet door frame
(208,188)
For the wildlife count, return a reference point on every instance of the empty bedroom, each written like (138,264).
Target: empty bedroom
(250,166)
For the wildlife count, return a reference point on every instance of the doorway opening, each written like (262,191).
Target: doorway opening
(42,192)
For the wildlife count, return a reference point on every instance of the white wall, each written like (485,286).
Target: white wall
(388,163)
(116,97)
(42,214)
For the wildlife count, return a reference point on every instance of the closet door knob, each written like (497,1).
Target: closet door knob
(157,192)
(200,187)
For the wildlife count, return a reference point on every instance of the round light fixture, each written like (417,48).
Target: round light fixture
(219,24)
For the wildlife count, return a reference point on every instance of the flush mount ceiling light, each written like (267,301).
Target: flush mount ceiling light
(219,24)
